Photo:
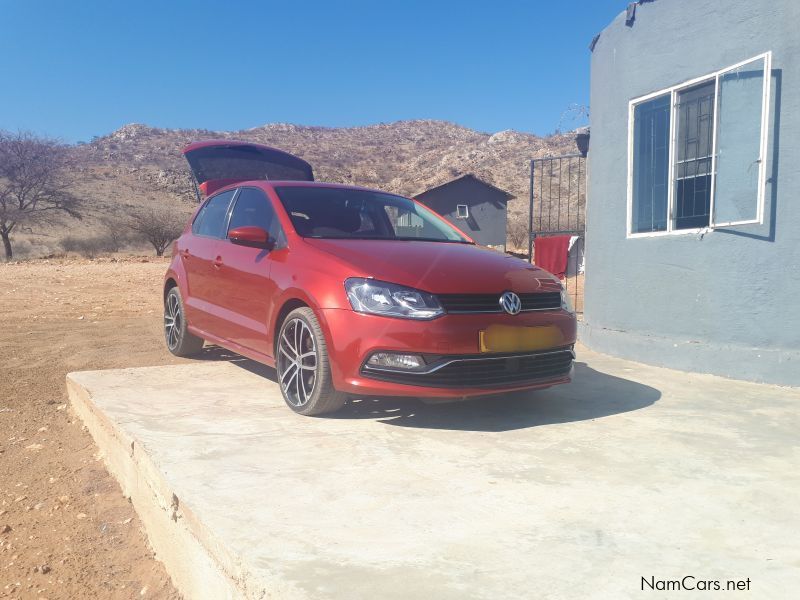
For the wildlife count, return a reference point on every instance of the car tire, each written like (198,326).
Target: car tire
(180,341)
(307,388)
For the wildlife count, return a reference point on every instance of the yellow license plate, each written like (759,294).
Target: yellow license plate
(508,338)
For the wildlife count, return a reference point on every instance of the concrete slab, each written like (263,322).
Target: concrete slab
(630,472)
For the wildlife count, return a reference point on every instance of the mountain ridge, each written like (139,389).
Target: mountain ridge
(402,156)
(139,166)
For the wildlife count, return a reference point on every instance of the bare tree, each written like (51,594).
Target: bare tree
(518,230)
(34,183)
(575,115)
(160,227)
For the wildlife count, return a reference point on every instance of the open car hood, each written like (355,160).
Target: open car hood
(217,163)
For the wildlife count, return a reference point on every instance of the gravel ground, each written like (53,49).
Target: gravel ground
(66,531)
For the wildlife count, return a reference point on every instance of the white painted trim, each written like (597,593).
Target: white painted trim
(714,154)
(628,227)
(696,231)
(672,90)
(673,130)
(762,183)
(762,149)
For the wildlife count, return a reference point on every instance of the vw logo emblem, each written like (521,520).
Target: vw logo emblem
(510,303)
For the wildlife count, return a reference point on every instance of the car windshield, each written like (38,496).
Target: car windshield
(342,213)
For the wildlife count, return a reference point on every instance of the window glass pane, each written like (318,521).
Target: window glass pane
(323,212)
(739,143)
(246,163)
(694,133)
(251,209)
(406,224)
(650,165)
(211,220)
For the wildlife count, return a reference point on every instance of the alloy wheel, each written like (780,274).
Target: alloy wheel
(172,321)
(297,362)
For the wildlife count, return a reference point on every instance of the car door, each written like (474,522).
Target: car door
(244,282)
(200,256)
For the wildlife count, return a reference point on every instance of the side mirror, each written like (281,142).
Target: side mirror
(249,235)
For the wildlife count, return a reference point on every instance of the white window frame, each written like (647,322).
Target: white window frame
(673,92)
(458,211)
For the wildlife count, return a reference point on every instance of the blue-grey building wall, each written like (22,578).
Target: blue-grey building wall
(726,302)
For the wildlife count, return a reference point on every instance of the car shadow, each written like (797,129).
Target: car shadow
(591,395)
(217,353)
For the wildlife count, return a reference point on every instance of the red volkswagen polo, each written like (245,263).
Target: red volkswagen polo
(352,291)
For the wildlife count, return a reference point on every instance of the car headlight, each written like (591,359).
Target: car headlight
(390,300)
(566,301)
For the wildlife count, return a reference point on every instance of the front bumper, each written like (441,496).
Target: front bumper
(483,371)
(451,345)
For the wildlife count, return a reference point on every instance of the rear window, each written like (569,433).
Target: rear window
(246,163)
(210,221)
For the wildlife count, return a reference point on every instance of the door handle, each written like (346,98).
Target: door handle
(217,262)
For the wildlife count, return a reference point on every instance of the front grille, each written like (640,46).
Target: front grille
(490,303)
(482,371)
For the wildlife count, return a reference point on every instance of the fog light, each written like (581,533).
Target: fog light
(391,360)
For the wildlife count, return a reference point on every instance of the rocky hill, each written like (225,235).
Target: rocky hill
(138,165)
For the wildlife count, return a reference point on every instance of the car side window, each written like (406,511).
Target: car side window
(253,208)
(210,221)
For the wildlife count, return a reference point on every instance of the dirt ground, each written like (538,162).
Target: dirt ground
(66,531)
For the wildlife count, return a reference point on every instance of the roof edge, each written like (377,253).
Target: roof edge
(465,176)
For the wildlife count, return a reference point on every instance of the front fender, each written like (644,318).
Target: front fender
(291,297)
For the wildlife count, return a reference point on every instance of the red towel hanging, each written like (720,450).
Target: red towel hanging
(551,254)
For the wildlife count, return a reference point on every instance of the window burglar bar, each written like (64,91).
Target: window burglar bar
(695,109)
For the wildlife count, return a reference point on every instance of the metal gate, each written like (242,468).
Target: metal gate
(558,207)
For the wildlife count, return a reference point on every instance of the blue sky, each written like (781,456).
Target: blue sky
(79,69)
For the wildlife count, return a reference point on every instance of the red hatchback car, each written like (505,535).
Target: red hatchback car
(352,291)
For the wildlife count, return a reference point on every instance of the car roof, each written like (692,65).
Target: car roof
(264,183)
